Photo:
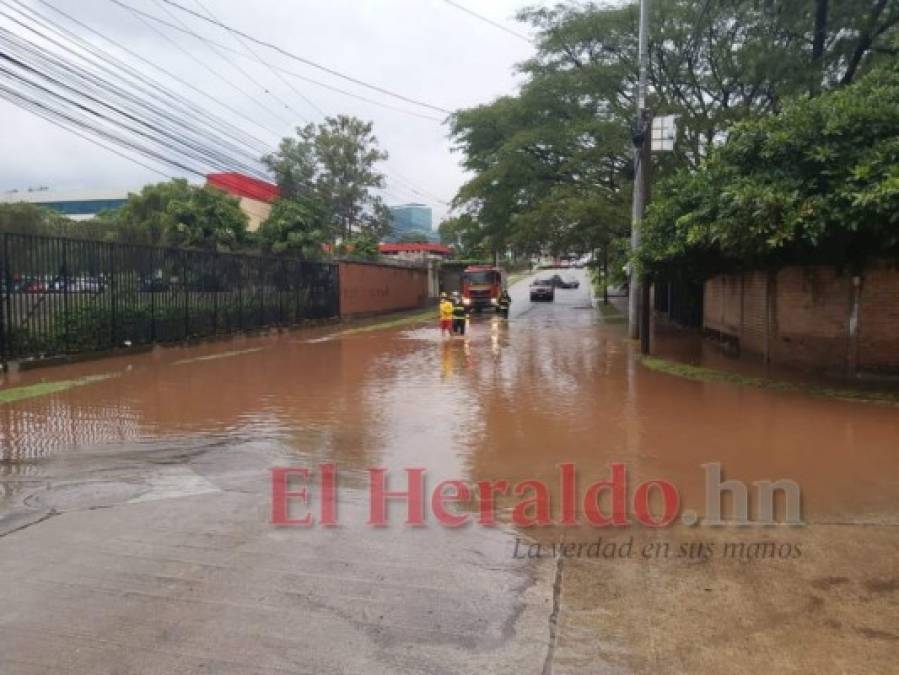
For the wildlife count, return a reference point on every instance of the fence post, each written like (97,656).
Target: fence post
(113,296)
(65,291)
(5,313)
(241,268)
(335,272)
(186,295)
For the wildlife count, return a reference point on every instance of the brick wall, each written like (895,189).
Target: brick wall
(878,321)
(713,304)
(801,316)
(755,312)
(372,288)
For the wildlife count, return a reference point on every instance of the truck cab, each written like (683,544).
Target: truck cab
(481,286)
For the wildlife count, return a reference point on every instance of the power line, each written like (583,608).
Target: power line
(197,122)
(493,23)
(253,80)
(134,73)
(206,66)
(82,85)
(253,53)
(75,131)
(301,59)
(278,70)
(409,185)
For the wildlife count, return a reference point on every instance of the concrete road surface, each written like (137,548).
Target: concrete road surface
(136,529)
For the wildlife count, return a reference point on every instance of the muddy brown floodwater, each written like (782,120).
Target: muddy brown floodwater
(512,401)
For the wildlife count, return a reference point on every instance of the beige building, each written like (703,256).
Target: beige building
(256,196)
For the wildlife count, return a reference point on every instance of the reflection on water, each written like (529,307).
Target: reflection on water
(511,400)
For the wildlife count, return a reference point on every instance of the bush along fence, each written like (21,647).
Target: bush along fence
(65,296)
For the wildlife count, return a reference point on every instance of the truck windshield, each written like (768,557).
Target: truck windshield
(485,277)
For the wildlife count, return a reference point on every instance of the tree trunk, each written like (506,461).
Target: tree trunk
(821,12)
(605,274)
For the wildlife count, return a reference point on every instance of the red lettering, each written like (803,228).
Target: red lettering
(670,497)
(618,486)
(329,495)
(487,503)
(280,494)
(439,498)
(539,503)
(378,497)
(569,494)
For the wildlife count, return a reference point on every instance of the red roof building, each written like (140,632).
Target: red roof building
(256,196)
(414,251)
(239,185)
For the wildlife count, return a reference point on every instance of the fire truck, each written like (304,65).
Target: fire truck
(482,286)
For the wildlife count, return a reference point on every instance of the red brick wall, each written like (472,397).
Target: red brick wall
(813,306)
(755,312)
(713,304)
(371,288)
(807,322)
(878,320)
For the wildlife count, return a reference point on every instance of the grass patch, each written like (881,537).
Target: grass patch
(45,388)
(427,315)
(703,374)
(609,311)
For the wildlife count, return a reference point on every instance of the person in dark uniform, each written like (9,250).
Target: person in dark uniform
(459,317)
(504,301)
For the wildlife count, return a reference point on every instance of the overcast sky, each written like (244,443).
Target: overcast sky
(425,49)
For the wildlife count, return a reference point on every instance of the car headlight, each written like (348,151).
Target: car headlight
(466,301)
(493,301)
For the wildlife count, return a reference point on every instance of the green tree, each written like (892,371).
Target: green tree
(818,182)
(464,234)
(176,213)
(565,137)
(362,246)
(28,218)
(207,218)
(335,163)
(295,226)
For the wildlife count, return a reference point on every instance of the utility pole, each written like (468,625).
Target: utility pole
(641,167)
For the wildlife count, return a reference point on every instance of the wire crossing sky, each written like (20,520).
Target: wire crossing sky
(97,95)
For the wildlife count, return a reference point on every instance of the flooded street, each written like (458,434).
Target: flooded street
(135,529)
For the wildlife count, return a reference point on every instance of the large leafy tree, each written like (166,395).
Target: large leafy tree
(566,136)
(295,226)
(335,163)
(818,182)
(176,213)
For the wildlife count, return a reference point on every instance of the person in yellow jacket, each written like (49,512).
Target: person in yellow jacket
(446,315)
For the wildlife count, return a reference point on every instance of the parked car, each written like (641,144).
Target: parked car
(154,285)
(559,282)
(34,286)
(543,290)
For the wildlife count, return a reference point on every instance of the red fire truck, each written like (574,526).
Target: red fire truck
(481,286)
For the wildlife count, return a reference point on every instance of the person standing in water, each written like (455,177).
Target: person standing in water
(446,315)
(459,316)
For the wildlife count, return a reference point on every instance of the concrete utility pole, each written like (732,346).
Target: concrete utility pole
(641,167)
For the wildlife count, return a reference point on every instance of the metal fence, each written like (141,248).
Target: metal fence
(63,296)
(681,301)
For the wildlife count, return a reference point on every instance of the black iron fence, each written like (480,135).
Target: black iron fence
(681,301)
(62,296)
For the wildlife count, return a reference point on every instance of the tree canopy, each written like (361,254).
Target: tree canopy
(552,165)
(295,226)
(334,164)
(176,213)
(818,182)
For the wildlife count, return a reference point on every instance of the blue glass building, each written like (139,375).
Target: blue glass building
(408,218)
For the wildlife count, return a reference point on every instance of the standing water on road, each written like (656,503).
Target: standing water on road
(185,437)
